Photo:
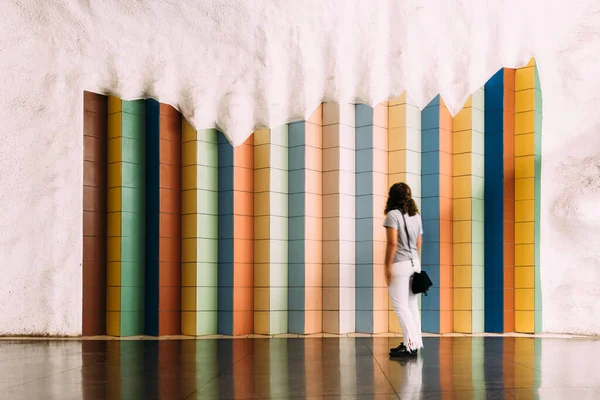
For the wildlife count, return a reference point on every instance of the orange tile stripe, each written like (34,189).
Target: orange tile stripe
(446,190)
(313,301)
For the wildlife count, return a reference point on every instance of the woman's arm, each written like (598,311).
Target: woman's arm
(390,249)
(419,244)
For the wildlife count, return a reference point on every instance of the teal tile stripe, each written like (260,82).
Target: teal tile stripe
(296,224)
(364,218)
(133,220)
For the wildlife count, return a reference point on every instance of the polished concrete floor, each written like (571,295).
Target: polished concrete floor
(330,368)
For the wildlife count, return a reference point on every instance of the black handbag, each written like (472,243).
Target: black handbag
(420,280)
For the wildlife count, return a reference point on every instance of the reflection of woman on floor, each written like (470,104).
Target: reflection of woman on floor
(401,262)
(412,378)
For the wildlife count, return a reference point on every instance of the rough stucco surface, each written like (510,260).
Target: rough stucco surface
(240,65)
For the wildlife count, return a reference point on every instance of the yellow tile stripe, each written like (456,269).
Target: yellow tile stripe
(525,197)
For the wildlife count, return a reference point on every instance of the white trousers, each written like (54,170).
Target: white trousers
(405,302)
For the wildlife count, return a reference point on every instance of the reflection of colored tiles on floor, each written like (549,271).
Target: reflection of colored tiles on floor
(528,150)
(236,237)
(125,217)
(446,366)
(314,368)
(243,372)
(436,193)
(305,246)
(94,214)
(278,371)
(339,239)
(371,190)
(170,384)
(524,356)
(93,372)
(200,230)
(468,215)
(508,358)
(271,231)
(463,368)
(404,146)
(163,220)
(499,203)
(477,362)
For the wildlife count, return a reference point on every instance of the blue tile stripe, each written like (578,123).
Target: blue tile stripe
(494,204)
(225,252)
(430,213)
(364,218)
(151,303)
(296,224)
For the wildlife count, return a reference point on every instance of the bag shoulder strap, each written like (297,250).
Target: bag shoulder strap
(407,236)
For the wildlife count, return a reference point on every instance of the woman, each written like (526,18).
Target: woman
(401,262)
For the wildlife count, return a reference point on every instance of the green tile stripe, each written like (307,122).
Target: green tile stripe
(477,211)
(200,226)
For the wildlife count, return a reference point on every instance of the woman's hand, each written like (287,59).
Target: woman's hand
(390,248)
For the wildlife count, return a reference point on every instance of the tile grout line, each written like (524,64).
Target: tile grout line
(381,369)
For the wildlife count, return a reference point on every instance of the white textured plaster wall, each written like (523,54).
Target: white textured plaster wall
(245,64)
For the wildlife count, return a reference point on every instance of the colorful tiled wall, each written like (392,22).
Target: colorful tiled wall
(184,233)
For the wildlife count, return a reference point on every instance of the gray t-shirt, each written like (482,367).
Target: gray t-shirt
(394,220)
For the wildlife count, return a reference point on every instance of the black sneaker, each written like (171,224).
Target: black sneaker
(398,348)
(404,352)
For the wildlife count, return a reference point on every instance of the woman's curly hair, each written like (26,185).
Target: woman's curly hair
(400,198)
